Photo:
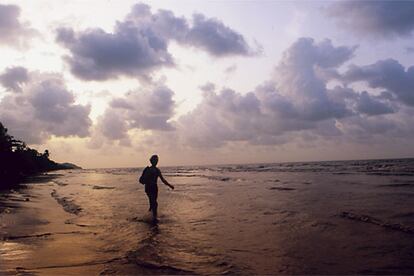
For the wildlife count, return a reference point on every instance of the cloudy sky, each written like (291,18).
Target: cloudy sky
(108,83)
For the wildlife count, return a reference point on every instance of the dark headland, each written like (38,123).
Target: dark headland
(18,161)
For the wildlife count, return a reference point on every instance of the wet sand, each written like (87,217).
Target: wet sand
(222,220)
(37,238)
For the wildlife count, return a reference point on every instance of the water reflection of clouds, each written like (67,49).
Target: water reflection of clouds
(13,251)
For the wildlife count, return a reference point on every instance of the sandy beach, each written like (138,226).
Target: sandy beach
(302,218)
(37,236)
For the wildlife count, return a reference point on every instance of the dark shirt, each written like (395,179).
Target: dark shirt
(151,176)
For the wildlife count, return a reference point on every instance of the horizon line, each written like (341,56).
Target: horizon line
(254,163)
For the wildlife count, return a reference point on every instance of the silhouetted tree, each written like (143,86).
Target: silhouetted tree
(5,139)
(17,160)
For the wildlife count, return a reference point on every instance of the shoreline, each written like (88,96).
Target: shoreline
(15,182)
(33,222)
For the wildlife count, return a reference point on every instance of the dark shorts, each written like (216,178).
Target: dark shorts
(151,189)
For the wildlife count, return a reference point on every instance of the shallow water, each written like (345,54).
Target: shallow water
(337,217)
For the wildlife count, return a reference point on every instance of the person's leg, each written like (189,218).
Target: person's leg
(149,201)
(154,205)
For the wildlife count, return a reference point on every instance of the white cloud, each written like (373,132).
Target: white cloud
(139,44)
(149,108)
(13,32)
(44,107)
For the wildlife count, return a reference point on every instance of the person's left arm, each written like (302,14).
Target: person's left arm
(165,181)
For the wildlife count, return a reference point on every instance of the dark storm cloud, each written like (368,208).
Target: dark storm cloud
(139,44)
(375,18)
(13,78)
(387,74)
(12,31)
(44,107)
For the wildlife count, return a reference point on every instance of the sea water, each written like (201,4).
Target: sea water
(285,218)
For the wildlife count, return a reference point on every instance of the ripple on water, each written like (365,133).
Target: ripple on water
(68,205)
(368,219)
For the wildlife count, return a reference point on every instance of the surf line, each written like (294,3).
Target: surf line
(375,221)
(74,265)
(6,238)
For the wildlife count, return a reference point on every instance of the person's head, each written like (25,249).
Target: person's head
(154,160)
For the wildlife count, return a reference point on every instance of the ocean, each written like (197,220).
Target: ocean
(336,217)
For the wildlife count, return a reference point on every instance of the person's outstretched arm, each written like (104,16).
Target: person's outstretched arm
(165,181)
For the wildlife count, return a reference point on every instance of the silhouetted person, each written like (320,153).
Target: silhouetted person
(149,177)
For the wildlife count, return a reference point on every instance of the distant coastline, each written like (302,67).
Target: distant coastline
(19,161)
